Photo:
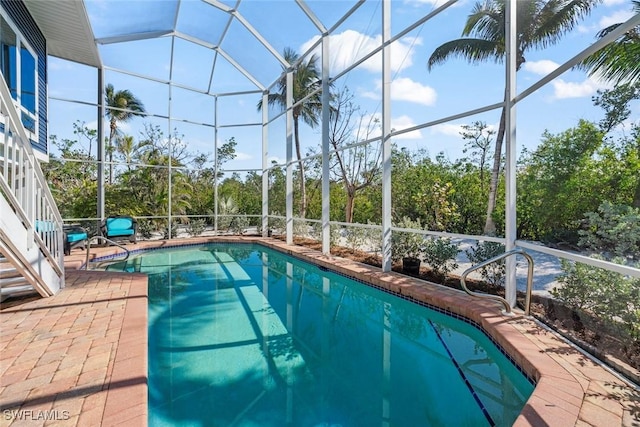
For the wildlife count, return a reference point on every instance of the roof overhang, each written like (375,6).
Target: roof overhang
(65,25)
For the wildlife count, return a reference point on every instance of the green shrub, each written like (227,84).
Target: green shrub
(613,230)
(355,237)
(301,228)
(440,254)
(495,272)
(174,230)
(195,227)
(238,224)
(406,244)
(334,235)
(224,223)
(373,238)
(610,296)
(277,225)
(145,228)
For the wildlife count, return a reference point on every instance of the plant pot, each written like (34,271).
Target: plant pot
(411,265)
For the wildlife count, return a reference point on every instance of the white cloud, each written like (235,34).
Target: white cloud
(449,129)
(542,67)
(563,89)
(349,46)
(617,17)
(243,156)
(584,29)
(370,94)
(609,3)
(404,122)
(367,130)
(434,3)
(405,89)
(454,129)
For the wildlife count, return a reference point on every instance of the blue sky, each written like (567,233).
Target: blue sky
(418,95)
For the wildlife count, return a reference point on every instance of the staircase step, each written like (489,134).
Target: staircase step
(15,291)
(8,271)
(12,281)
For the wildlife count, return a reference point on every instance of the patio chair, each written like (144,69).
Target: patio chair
(74,235)
(119,227)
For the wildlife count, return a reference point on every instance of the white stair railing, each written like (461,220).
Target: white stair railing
(31,234)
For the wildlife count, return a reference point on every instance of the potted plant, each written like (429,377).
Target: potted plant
(407,246)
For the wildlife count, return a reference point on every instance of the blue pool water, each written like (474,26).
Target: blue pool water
(240,335)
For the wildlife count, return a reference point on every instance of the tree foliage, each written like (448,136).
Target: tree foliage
(564,184)
(619,61)
(539,23)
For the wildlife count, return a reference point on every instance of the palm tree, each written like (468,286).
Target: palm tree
(129,149)
(619,61)
(125,107)
(306,80)
(540,23)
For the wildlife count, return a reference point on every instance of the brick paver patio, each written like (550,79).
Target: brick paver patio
(80,357)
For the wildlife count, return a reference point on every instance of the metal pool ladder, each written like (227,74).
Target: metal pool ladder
(104,239)
(507,307)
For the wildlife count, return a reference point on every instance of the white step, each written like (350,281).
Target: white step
(12,281)
(16,290)
(8,272)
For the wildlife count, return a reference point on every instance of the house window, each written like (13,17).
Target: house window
(19,66)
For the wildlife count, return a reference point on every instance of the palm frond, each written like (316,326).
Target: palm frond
(619,61)
(473,50)
(555,18)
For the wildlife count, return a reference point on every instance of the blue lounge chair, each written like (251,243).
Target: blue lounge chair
(119,227)
(74,235)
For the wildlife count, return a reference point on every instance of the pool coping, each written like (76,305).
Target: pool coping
(571,388)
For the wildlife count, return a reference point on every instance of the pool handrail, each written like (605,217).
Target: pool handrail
(507,307)
(86,259)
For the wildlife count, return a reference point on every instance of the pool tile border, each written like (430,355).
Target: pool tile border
(571,389)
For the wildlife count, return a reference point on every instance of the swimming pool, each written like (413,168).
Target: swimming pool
(243,335)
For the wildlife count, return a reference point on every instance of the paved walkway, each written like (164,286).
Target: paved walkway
(79,357)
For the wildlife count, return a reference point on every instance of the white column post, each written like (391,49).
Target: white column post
(215,165)
(386,140)
(510,143)
(289,177)
(326,112)
(265,164)
(100,147)
(169,188)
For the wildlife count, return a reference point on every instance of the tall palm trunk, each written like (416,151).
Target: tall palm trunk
(112,135)
(303,191)
(489,225)
(636,196)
